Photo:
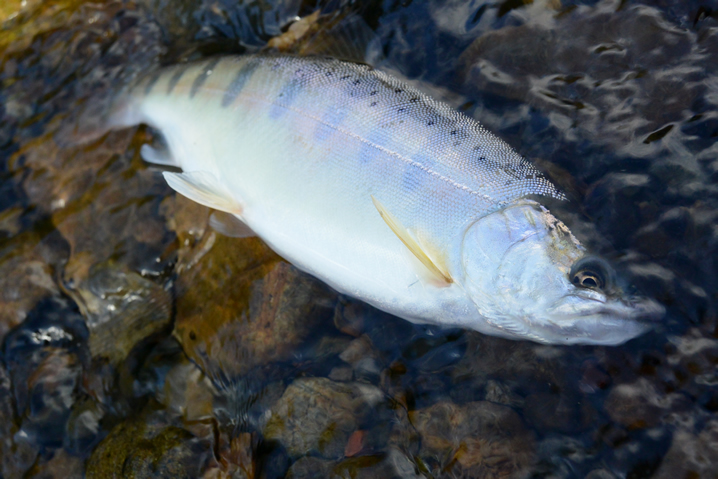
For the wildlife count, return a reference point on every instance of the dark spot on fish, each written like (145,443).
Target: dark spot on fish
(400,110)
(373,103)
(453,132)
(175,79)
(414,100)
(202,77)
(373,93)
(356,82)
(151,81)
(239,82)
(192,335)
(398,90)
(345,77)
(281,94)
(430,123)
(328,74)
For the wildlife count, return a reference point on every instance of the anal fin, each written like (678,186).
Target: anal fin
(229,225)
(204,188)
(411,243)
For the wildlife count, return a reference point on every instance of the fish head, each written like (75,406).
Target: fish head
(529,278)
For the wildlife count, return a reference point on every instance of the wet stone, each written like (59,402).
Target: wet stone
(641,404)
(595,70)
(364,360)
(61,465)
(488,357)
(691,454)
(45,357)
(318,416)
(147,448)
(393,465)
(121,308)
(240,307)
(478,439)
(24,280)
(83,430)
(236,458)
(186,391)
(500,393)
(16,457)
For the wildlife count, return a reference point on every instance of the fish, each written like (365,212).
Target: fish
(382,192)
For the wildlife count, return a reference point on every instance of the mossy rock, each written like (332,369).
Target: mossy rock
(136,450)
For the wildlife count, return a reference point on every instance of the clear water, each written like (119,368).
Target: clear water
(138,343)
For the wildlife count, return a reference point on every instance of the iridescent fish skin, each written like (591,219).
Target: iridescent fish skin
(318,157)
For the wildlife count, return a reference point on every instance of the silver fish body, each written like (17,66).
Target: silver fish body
(380,191)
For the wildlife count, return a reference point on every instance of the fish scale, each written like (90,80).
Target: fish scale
(377,189)
(454,146)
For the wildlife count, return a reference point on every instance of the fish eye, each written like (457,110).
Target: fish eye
(591,273)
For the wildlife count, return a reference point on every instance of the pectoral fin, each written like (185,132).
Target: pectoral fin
(157,155)
(411,243)
(230,225)
(203,188)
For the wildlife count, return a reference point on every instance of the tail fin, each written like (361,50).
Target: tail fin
(105,110)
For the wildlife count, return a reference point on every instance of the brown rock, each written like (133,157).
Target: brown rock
(489,357)
(121,308)
(393,465)
(60,466)
(25,278)
(316,415)
(478,439)
(640,404)
(240,306)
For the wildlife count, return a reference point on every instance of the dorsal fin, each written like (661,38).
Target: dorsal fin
(411,243)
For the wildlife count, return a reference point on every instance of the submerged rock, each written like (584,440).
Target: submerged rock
(318,416)
(393,465)
(45,357)
(641,404)
(25,279)
(624,73)
(478,439)
(61,465)
(16,457)
(240,307)
(121,309)
(147,447)
(691,454)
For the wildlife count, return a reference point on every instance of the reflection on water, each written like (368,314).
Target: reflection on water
(139,343)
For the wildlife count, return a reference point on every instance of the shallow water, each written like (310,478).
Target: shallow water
(137,342)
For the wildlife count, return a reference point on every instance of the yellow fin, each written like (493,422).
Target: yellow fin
(410,242)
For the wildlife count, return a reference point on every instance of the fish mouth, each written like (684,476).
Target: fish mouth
(639,309)
(603,322)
